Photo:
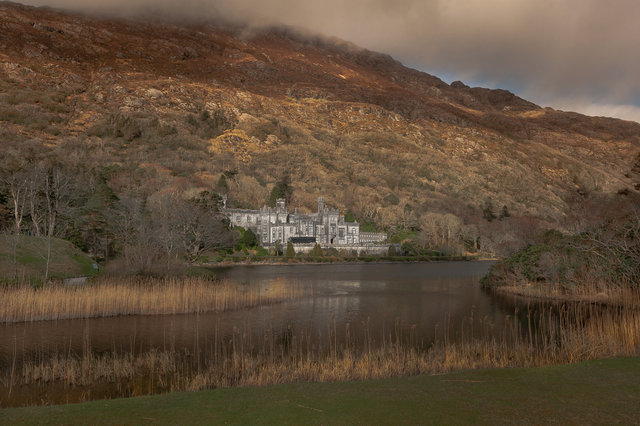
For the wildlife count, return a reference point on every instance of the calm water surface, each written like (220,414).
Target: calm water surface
(410,299)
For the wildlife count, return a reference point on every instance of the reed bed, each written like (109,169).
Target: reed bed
(589,290)
(114,296)
(547,336)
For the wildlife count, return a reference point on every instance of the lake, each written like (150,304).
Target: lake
(402,300)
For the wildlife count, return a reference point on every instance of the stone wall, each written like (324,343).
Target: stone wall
(358,250)
(372,237)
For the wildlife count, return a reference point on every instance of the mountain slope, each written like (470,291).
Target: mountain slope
(188,108)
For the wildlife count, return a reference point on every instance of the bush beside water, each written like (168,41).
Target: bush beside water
(603,262)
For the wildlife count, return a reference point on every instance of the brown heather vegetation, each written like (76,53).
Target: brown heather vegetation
(139,111)
(113,296)
(550,335)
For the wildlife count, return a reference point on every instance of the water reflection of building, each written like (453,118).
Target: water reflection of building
(326,227)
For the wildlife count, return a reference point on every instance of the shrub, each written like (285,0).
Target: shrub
(368,226)
(392,199)
(200,272)
(349,217)
(410,249)
(487,211)
(210,124)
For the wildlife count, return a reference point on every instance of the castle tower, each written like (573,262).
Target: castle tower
(320,205)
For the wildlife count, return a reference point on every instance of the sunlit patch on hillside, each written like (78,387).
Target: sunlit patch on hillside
(240,144)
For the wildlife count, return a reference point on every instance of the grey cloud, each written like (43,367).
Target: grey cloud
(554,52)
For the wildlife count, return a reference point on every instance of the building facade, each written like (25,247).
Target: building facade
(326,227)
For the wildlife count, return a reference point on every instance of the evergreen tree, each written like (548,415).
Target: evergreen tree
(208,200)
(281,189)
(487,212)
(222,186)
(349,217)
(95,217)
(504,213)
(290,251)
(249,239)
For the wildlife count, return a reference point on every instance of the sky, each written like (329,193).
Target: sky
(574,55)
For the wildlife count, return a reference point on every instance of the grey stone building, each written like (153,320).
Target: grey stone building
(326,227)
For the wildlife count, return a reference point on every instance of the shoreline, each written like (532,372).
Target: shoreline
(343,261)
(621,296)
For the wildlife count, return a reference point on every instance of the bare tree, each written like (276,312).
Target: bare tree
(408,217)
(471,235)
(166,221)
(15,179)
(35,178)
(443,231)
(200,229)
(135,232)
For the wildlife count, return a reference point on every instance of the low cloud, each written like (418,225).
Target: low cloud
(625,112)
(554,52)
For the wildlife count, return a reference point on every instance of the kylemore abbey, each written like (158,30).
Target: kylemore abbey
(326,227)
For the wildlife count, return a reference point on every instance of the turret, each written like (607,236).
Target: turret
(320,205)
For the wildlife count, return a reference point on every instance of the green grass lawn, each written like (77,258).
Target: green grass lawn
(66,259)
(600,392)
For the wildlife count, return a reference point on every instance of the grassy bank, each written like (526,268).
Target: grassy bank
(603,392)
(31,256)
(112,296)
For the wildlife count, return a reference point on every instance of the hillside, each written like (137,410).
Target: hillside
(154,107)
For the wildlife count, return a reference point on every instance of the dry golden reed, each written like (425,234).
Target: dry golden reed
(113,296)
(550,336)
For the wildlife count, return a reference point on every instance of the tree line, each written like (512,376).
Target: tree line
(107,211)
